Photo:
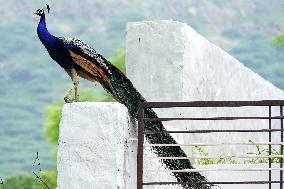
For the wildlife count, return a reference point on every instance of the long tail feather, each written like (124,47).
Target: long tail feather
(130,97)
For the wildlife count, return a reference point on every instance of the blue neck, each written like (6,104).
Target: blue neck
(45,37)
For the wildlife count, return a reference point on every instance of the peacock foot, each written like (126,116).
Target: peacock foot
(69,99)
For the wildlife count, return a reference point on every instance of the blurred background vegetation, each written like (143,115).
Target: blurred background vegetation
(32,84)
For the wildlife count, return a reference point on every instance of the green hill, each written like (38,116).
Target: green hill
(30,80)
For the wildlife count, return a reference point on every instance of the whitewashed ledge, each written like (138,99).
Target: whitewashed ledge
(98,149)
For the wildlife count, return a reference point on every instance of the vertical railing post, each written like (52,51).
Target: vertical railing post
(281,149)
(270,160)
(141,125)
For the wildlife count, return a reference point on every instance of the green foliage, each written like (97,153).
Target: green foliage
(50,179)
(51,124)
(260,151)
(21,181)
(279,40)
(264,151)
(118,59)
(31,182)
(200,151)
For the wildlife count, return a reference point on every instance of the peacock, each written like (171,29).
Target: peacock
(80,60)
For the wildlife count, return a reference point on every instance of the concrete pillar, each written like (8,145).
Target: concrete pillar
(98,149)
(169,61)
(93,143)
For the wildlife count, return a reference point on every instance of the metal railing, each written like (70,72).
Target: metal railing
(213,104)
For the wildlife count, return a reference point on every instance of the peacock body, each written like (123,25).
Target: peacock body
(79,59)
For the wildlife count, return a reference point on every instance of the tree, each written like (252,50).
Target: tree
(31,182)
(279,40)
(118,59)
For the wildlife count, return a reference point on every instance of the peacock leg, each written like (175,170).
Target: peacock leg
(73,74)
(76,84)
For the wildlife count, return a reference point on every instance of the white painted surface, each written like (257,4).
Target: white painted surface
(92,144)
(97,149)
(169,61)
(233,176)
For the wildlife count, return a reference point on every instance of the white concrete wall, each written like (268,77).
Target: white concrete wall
(98,149)
(92,145)
(169,61)
(234,176)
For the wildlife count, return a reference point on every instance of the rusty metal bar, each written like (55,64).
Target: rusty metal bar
(216,157)
(281,149)
(210,118)
(212,104)
(270,160)
(214,183)
(216,131)
(141,125)
(217,144)
(219,169)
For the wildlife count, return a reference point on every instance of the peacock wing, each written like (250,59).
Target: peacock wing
(92,65)
(87,65)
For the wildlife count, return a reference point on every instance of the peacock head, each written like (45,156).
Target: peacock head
(40,12)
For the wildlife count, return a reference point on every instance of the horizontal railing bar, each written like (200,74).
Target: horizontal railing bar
(216,131)
(216,144)
(212,104)
(211,118)
(218,169)
(213,183)
(215,104)
(217,157)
